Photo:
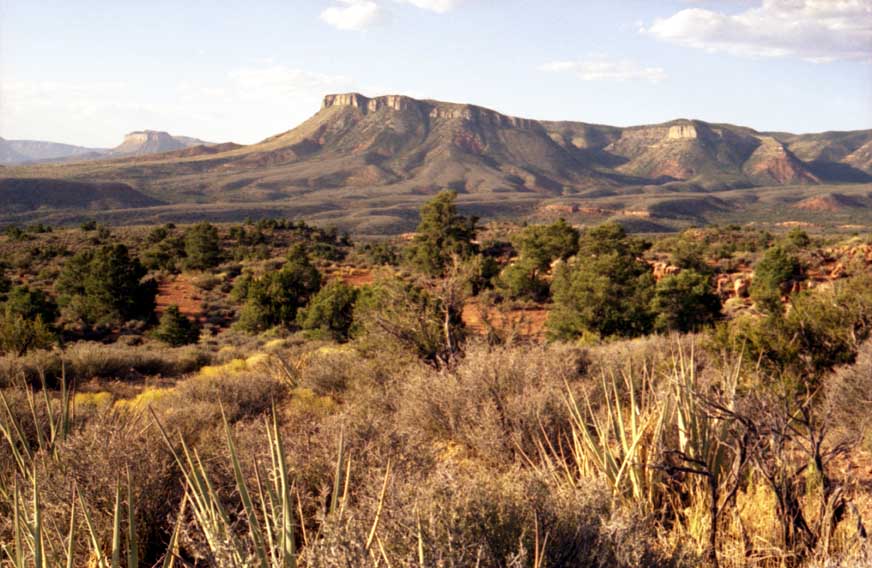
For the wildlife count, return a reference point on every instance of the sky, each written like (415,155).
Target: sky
(88,71)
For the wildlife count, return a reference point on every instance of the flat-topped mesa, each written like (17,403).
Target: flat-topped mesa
(682,132)
(432,109)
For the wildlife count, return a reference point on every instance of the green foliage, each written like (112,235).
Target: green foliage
(381,253)
(796,238)
(30,304)
(772,274)
(15,233)
(685,302)
(18,334)
(543,244)
(202,247)
(689,254)
(607,291)
(274,298)
(88,226)
(175,329)
(822,329)
(5,284)
(330,312)
(442,234)
(165,254)
(105,286)
(396,312)
(520,280)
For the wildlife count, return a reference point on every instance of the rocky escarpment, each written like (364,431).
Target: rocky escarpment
(431,109)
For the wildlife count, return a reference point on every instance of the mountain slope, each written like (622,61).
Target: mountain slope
(378,158)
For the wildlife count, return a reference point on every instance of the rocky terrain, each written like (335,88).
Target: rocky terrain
(367,163)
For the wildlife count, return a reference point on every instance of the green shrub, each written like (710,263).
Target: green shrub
(685,302)
(202,247)
(381,253)
(175,329)
(393,312)
(543,244)
(31,303)
(18,334)
(105,286)
(772,274)
(330,312)
(274,298)
(442,235)
(5,284)
(607,291)
(520,280)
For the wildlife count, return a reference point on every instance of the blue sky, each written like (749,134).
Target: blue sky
(87,71)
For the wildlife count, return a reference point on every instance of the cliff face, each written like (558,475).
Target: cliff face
(432,109)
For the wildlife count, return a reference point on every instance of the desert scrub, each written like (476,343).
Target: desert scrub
(86,360)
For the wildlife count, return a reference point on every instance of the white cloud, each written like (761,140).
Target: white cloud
(602,68)
(814,30)
(363,14)
(438,6)
(353,14)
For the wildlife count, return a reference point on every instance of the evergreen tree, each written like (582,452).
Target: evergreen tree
(442,234)
(685,302)
(105,286)
(202,247)
(274,298)
(772,275)
(543,244)
(607,291)
(330,312)
(176,329)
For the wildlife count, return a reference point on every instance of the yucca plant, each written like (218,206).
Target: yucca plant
(619,443)
(709,446)
(269,518)
(35,544)
(48,436)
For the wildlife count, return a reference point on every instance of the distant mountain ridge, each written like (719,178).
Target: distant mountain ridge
(137,143)
(372,154)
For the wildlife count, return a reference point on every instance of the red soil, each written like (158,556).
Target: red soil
(181,293)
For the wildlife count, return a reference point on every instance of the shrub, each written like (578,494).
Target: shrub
(398,313)
(202,247)
(543,244)
(30,304)
(771,275)
(381,253)
(685,302)
(5,284)
(274,298)
(607,291)
(106,287)
(330,312)
(165,254)
(18,333)
(521,280)
(176,329)
(823,328)
(442,235)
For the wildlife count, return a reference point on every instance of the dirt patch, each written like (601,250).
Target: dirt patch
(182,293)
(523,322)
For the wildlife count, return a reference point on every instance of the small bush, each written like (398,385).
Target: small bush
(176,329)
(330,312)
